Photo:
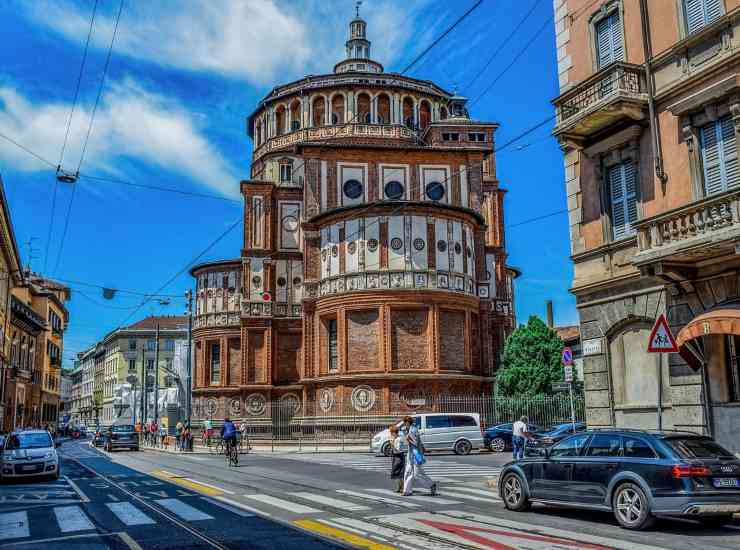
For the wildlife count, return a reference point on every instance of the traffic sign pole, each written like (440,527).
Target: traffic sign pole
(661,341)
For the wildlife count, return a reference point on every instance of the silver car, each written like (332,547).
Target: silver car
(458,432)
(29,453)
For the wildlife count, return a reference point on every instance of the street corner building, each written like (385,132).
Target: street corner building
(647,117)
(373,269)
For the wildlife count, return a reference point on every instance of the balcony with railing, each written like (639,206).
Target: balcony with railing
(614,93)
(700,230)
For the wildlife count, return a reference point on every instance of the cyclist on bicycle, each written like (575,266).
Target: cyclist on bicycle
(228,433)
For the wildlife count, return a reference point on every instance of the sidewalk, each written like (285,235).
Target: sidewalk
(276,447)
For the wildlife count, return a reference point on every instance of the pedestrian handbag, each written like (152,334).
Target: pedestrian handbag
(418,456)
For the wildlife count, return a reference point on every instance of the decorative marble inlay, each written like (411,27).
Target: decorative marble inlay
(292,402)
(326,399)
(235,406)
(363,398)
(255,404)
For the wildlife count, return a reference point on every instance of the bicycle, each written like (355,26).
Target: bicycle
(232,454)
(218,448)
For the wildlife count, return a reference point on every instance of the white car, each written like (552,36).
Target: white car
(29,453)
(458,432)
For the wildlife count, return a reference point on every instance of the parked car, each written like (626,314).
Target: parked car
(121,436)
(556,433)
(29,453)
(82,430)
(498,438)
(458,432)
(637,475)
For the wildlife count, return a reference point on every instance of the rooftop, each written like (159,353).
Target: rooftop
(568,333)
(164,321)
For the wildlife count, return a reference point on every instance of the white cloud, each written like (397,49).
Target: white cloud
(130,122)
(261,41)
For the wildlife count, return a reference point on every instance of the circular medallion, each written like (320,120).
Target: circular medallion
(396,243)
(281,282)
(290,224)
(296,281)
(468,252)
(292,402)
(351,247)
(352,189)
(458,248)
(255,404)
(435,191)
(256,281)
(323,255)
(419,244)
(211,406)
(235,406)
(442,246)
(326,399)
(394,190)
(363,398)
(372,245)
(488,275)
(334,250)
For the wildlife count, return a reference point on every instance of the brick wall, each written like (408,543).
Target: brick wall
(451,340)
(256,357)
(288,357)
(234,360)
(409,339)
(362,340)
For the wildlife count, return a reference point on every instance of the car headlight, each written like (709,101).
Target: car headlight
(49,455)
(376,439)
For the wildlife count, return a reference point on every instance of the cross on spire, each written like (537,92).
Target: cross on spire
(357,7)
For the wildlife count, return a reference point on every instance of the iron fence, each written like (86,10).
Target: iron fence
(314,424)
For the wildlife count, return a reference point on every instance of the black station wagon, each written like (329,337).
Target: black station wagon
(637,475)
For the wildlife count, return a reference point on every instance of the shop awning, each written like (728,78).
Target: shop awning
(722,320)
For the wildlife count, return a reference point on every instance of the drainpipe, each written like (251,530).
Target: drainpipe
(654,134)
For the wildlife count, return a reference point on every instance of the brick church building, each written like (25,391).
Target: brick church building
(373,269)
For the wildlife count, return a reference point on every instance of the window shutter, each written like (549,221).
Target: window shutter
(616,37)
(603,42)
(700,13)
(729,152)
(616,189)
(714,10)
(630,194)
(710,153)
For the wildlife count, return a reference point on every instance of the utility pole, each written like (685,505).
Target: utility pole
(156,374)
(143,385)
(189,380)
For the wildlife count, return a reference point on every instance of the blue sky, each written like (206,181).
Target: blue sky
(182,78)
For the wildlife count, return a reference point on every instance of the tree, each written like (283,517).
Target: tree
(532,361)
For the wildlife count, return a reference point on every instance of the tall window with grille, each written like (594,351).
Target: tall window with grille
(332,351)
(609,43)
(215,363)
(622,184)
(719,156)
(700,13)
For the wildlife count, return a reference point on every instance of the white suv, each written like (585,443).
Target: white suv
(458,432)
(29,453)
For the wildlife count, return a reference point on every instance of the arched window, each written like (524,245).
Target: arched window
(443,113)
(337,109)
(363,108)
(408,112)
(280,120)
(295,116)
(425,115)
(318,111)
(384,109)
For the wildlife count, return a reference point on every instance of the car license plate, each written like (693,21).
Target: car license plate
(726,482)
(29,467)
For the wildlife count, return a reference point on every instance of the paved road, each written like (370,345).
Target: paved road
(101,503)
(348,498)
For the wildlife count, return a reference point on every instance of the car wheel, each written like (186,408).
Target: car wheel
(386,449)
(631,507)
(497,445)
(716,521)
(512,490)
(463,447)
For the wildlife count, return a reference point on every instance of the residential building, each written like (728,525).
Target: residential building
(75,400)
(65,398)
(10,276)
(86,360)
(647,119)
(98,359)
(373,266)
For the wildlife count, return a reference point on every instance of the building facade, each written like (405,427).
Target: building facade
(75,397)
(373,267)
(647,119)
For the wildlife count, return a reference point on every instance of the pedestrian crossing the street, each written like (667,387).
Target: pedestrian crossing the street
(442,470)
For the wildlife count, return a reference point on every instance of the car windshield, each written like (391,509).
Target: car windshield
(29,441)
(118,429)
(561,429)
(504,427)
(694,447)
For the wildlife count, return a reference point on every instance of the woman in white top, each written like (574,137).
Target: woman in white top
(414,474)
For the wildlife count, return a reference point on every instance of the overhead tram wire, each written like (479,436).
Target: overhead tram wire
(66,133)
(87,137)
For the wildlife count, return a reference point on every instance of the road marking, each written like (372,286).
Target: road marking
(284,504)
(197,486)
(339,534)
(401,539)
(377,498)
(74,486)
(72,518)
(129,514)
(489,494)
(242,506)
(229,506)
(14,525)
(333,502)
(211,486)
(471,497)
(424,498)
(185,511)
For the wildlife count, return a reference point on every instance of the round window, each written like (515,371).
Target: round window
(323,255)
(281,282)
(419,244)
(435,191)
(351,247)
(372,245)
(396,243)
(458,248)
(442,246)
(334,251)
(468,252)
(352,189)
(394,190)
(296,281)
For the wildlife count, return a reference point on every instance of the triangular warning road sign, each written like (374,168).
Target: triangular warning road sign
(661,339)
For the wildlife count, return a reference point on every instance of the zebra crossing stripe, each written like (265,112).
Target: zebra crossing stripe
(184,511)
(423,498)
(14,525)
(489,494)
(284,504)
(333,502)
(230,505)
(72,518)
(492,498)
(129,514)
(378,498)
